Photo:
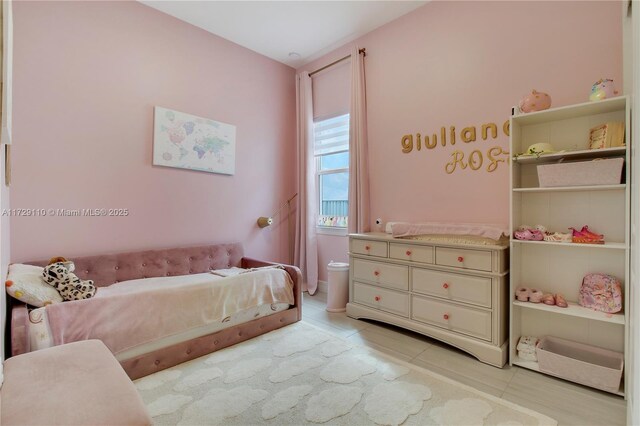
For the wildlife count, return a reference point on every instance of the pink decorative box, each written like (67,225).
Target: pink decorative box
(580,363)
(581,173)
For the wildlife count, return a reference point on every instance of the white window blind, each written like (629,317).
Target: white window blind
(331,135)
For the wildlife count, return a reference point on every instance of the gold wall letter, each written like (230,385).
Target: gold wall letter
(453,134)
(506,127)
(418,141)
(492,154)
(494,130)
(457,158)
(443,136)
(475,159)
(468,134)
(430,143)
(407,143)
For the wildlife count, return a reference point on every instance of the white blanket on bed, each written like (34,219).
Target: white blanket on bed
(136,312)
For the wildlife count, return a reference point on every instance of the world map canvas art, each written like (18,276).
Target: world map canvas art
(186,141)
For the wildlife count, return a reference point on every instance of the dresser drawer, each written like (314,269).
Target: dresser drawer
(464,258)
(380,298)
(462,288)
(469,321)
(412,253)
(368,247)
(393,276)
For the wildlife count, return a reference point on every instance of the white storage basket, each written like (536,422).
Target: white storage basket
(604,171)
(580,363)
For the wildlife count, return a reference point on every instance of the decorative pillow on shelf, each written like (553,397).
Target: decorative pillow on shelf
(25,283)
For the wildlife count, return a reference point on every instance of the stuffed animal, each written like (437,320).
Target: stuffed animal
(59,274)
(603,89)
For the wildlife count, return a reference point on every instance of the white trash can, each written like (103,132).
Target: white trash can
(338,291)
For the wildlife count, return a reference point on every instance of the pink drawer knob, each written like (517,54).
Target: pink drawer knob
(377,298)
(408,252)
(445,286)
(460,259)
(446,316)
(376,273)
(367,248)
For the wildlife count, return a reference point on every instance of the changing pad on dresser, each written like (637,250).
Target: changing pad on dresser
(458,239)
(456,233)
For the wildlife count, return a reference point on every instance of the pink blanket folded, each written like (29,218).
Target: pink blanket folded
(405,229)
(136,312)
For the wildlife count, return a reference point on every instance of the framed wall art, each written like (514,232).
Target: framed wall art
(186,141)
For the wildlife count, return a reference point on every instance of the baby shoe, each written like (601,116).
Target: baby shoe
(537,235)
(549,299)
(523,234)
(557,237)
(535,296)
(560,301)
(522,294)
(541,228)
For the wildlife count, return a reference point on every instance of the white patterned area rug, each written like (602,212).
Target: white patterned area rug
(300,375)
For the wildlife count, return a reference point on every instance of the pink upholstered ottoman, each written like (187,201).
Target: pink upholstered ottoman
(74,384)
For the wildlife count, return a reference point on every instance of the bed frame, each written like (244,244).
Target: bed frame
(109,269)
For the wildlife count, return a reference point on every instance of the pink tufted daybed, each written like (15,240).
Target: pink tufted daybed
(113,268)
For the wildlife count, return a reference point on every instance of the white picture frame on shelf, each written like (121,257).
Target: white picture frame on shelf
(186,141)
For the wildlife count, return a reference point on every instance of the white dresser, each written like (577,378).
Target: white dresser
(456,293)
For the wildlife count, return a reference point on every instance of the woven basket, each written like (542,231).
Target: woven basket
(580,363)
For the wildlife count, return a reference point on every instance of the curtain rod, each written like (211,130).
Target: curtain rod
(363,51)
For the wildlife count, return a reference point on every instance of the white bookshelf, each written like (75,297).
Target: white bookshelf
(555,267)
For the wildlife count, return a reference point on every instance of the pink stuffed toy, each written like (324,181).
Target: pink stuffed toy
(536,101)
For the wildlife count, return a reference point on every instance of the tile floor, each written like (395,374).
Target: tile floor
(568,403)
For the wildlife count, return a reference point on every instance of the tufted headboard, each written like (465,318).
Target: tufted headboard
(108,269)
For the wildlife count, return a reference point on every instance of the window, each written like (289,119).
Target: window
(331,148)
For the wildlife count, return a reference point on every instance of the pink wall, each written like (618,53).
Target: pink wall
(87,75)
(462,64)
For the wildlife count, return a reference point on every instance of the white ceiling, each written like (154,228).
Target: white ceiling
(276,28)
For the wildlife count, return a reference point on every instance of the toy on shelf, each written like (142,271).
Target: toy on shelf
(603,89)
(535,101)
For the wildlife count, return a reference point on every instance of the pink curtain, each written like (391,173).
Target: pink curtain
(306,245)
(358,164)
